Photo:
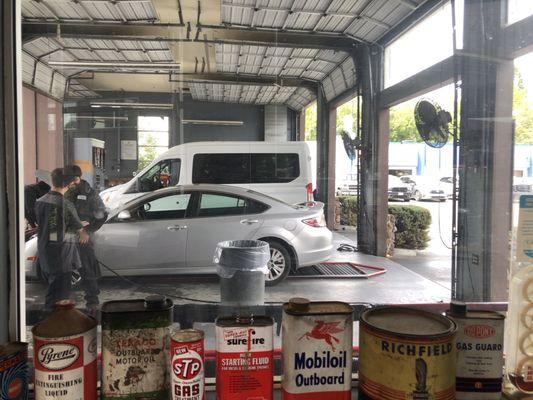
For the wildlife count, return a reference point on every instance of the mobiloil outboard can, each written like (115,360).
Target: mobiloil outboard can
(135,348)
(317,350)
(64,355)
(187,364)
(244,358)
(14,371)
(479,344)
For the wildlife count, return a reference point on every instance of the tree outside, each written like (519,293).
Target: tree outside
(147,151)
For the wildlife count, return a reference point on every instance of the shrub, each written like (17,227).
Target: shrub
(348,210)
(412,224)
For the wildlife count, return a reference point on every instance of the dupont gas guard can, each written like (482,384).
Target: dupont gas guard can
(135,348)
(479,344)
(187,364)
(317,350)
(14,371)
(64,347)
(244,358)
(406,354)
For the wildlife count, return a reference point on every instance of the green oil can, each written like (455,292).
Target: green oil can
(135,348)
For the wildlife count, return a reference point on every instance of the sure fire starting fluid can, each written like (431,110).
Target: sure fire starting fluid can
(135,348)
(64,355)
(187,364)
(479,344)
(317,350)
(14,371)
(406,353)
(244,358)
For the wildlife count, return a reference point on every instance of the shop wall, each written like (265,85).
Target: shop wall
(42,133)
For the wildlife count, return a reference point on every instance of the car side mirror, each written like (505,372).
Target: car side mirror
(124,215)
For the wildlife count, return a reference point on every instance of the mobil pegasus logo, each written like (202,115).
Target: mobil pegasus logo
(479,331)
(324,331)
(58,356)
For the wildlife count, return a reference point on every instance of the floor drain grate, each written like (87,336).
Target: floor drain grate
(339,270)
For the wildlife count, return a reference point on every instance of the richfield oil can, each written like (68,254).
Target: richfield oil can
(479,344)
(317,350)
(65,347)
(14,371)
(406,354)
(244,358)
(135,337)
(187,364)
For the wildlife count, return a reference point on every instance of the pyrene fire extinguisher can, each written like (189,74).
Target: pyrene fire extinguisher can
(187,364)
(317,350)
(64,347)
(244,358)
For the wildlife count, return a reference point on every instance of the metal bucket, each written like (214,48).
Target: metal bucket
(406,353)
(242,267)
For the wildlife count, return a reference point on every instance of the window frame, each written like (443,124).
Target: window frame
(198,196)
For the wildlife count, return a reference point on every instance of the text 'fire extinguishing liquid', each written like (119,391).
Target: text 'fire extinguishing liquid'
(317,350)
(244,358)
(64,346)
(187,364)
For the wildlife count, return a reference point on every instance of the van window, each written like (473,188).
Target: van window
(240,168)
(163,174)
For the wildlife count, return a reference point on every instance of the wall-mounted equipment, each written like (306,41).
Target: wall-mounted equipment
(89,155)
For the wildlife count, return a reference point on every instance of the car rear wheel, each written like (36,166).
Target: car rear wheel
(417,196)
(279,264)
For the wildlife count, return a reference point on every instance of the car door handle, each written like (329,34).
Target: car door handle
(176,227)
(249,221)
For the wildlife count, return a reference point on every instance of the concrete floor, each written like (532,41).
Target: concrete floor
(399,285)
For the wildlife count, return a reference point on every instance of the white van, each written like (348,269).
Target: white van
(281,170)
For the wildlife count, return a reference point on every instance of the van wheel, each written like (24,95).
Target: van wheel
(279,264)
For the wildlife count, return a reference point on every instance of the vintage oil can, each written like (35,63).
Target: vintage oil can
(187,364)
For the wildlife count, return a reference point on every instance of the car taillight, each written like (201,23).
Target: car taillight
(319,222)
(309,190)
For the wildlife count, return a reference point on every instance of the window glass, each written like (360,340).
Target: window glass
(152,138)
(519,9)
(163,174)
(214,205)
(242,168)
(173,206)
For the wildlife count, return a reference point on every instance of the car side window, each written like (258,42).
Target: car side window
(167,207)
(163,174)
(217,205)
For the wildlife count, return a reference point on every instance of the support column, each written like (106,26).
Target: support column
(373,198)
(301,126)
(325,139)
(485,158)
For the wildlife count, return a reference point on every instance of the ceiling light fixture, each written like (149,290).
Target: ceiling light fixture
(104,64)
(108,104)
(211,122)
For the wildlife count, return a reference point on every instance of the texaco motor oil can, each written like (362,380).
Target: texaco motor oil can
(406,353)
(317,350)
(187,364)
(479,344)
(64,355)
(14,371)
(244,358)
(135,348)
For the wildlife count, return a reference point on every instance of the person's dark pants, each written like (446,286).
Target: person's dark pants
(58,288)
(89,272)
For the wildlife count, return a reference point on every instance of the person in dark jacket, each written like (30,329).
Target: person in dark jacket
(59,230)
(31,194)
(90,208)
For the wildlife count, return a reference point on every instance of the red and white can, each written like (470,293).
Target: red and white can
(187,364)
(317,350)
(244,358)
(65,364)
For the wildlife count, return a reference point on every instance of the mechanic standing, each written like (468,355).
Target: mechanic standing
(90,208)
(59,230)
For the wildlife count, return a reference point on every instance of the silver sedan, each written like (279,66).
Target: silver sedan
(176,230)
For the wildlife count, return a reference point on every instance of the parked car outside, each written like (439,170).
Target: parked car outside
(522,185)
(425,188)
(349,186)
(399,190)
(176,230)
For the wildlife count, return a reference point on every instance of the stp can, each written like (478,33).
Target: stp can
(64,346)
(317,350)
(187,364)
(14,371)
(244,358)
(479,346)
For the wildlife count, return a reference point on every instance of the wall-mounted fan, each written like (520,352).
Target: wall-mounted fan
(432,123)
(350,145)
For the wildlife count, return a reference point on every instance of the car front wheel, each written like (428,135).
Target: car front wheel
(279,264)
